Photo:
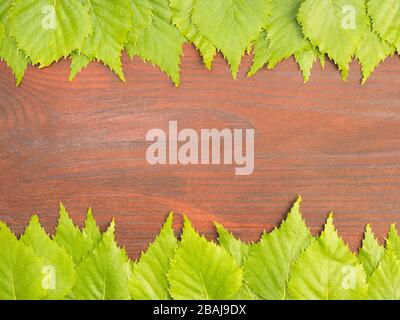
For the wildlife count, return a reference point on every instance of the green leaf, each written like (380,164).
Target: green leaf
(78,63)
(202,270)
(149,277)
(2,31)
(371,251)
(48,30)
(161,42)
(5,6)
(182,18)
(261,53)
(142,16)
(14,58)
(91,232)
(284,33)
(77,244)
(371,52)
(231,25)
(393,240)
(306,59)
(20,269)
(267,269)
(240,252)
(104,274)
(245,293)
(327,270)
(235,247)
(336,27)
(60,275)
(385,15)
(384,283)
(111,24)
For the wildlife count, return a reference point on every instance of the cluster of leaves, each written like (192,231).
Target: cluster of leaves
(287,263)
(40,32)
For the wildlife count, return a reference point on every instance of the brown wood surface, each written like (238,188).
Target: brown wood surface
(83,143)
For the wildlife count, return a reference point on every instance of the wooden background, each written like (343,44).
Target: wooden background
(83,143)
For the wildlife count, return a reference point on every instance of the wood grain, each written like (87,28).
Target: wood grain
(83,143)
